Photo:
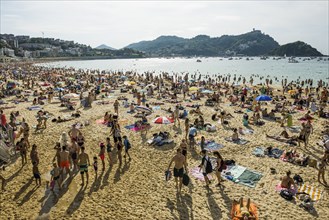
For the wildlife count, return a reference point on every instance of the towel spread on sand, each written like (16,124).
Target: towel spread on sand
(34,108)
(198,175)
(259,152)
(314,192)
(154,108)
(244,176)
(239,142)
(213,146)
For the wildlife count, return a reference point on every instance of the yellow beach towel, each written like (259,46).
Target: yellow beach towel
(314,192)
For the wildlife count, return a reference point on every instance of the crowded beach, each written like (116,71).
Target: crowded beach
(95,144)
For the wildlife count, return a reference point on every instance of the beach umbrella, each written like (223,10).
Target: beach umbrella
(193,88)
(71,96)
(263,98)
(163,120)
(207,91)
(143,109)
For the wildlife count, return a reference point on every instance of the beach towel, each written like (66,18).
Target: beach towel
(294,129)
(275,153)
(141,128)
(129,127)
(259,152)
(4,152)
(249,178)
(154,108)
(314,192)
(34,108)
(101,122)
(213,146)
(163,142)
(195,172)
(239,142)
(242,175)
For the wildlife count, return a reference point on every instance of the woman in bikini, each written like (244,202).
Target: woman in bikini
(220,166)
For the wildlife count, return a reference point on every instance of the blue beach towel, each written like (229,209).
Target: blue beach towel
(259,152)
(130,126)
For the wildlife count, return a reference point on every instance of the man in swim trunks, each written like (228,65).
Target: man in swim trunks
(83,161)
(64,161)
(180,164)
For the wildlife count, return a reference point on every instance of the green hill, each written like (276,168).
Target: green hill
(297,48)
(252,44)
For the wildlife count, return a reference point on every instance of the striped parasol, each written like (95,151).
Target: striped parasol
(163,120)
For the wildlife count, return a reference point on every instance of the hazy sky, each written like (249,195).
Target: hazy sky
(120,23)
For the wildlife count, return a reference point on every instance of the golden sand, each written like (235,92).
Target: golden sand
(138,189)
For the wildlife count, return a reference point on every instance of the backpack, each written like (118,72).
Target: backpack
(286,194)
(186,179)
(298,179)
(208,166)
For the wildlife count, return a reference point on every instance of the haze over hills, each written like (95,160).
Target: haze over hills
(104,46)
(254,43)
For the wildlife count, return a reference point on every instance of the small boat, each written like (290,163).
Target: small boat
(199,61)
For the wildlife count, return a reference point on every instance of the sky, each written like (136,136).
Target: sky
(120,23)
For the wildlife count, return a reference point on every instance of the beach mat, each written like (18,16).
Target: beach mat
(239,142)
(243,175)
(34,108)
(198,175)
(314,192)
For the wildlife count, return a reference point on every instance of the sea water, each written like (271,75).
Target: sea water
(272,67)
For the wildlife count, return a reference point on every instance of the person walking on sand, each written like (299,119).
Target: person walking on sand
(34,156)
(187,127)
(322,168)
(220,167)
(204,166)
(176,115)
(109,148)
(36,173)
(116,107)
(180,164)
(83,161)
(127,146)
(64,157)
(102,154)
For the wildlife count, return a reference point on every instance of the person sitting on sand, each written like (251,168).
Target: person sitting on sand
(180,163)
(287,182)
(265,113)
(235,135)
(245,213)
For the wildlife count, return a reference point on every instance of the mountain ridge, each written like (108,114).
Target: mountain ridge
(254,43)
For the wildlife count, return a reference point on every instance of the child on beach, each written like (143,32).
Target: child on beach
(95,165)
(102,154)
(55,177)
(127,146)
(36,173)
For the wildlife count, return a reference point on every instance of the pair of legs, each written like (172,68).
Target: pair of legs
(127,153)
(241,203)
(321,176)
(219,179)
(206,179)
(3,182)
(84,169)
(109,155)
(178,174)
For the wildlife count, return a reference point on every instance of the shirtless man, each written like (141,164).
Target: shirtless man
(287,181)
(73,133)
(176,115)
(64,161)
(74,154)
(83,162)
(180,164)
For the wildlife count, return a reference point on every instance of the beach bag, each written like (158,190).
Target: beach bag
(186,179)
(167,175)
(208,167)
(298,179)
(286,194)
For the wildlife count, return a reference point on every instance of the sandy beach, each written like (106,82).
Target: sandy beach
(137,189)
